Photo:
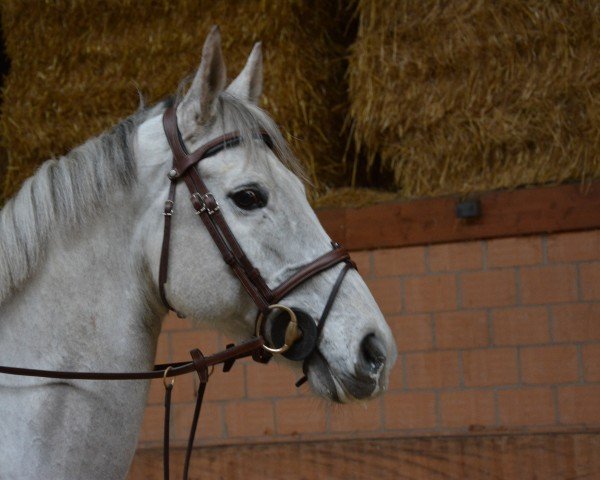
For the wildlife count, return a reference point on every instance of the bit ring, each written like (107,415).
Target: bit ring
(292,332)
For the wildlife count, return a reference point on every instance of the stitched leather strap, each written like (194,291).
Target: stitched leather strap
(325,315)
(166,430)
(184,160)
(324,262)
(194,426)
(244,349)
(163,269)
(207,208)
(199,363)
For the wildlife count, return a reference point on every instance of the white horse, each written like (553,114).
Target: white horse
(79,255)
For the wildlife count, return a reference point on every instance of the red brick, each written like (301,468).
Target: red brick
(551,364)
(183,342)
(163,354)
(509,252)
(432,369)
(226,339)
(300,415)
(387,293)
(526,407)
(271,380)
(363,262)
(579,404)
(152,424)
(184,388)
(356,417)
(589,276)
(156,393)
(172,322)
(577,322)
(405,411)
(466,329)
(520,326)
(470,408)
(210,424)
(574,247)
(399,261)
(396,379)
(456,256)
(411,332)
(249,419)
(488,289)
(551,284)
(226,386)
(431,293)
(591,362)
(490,367)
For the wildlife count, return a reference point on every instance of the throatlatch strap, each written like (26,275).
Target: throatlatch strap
(163,269)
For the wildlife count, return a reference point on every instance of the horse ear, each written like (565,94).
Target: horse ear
(248,84)
(199,102)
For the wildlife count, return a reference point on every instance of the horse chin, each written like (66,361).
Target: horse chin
(339,388)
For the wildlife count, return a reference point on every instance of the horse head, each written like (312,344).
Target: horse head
(258,188)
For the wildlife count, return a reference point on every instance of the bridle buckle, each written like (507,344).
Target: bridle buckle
(205,203)
(168,211)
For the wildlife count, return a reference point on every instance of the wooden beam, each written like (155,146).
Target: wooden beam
(506,457)
(426,221)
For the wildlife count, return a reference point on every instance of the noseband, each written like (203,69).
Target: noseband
(301,334)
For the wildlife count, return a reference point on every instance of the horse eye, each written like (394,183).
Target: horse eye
(249,199)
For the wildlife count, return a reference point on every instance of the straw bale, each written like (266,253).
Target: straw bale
(76,66)
(470,95)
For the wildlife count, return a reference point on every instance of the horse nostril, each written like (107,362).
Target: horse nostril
(372,353)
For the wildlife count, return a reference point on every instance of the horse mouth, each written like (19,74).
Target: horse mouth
(341,388)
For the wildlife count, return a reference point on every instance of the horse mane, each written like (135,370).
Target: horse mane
(64,193)
(70,191)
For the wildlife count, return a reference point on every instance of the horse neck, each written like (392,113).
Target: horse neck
(88,304)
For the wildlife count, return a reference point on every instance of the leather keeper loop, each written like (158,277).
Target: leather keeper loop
(229,259)
(210,202)
(200,365)
(198,205)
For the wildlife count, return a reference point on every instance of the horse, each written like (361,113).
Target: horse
(80,245)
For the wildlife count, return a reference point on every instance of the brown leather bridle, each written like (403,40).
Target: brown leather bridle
(299,337)
(207,208)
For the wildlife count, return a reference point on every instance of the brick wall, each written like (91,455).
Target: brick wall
(493,336)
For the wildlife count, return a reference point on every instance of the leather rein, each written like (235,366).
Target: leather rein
(299,334)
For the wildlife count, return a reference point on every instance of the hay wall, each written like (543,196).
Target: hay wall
(76,66)
(463,96)
(445,97)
